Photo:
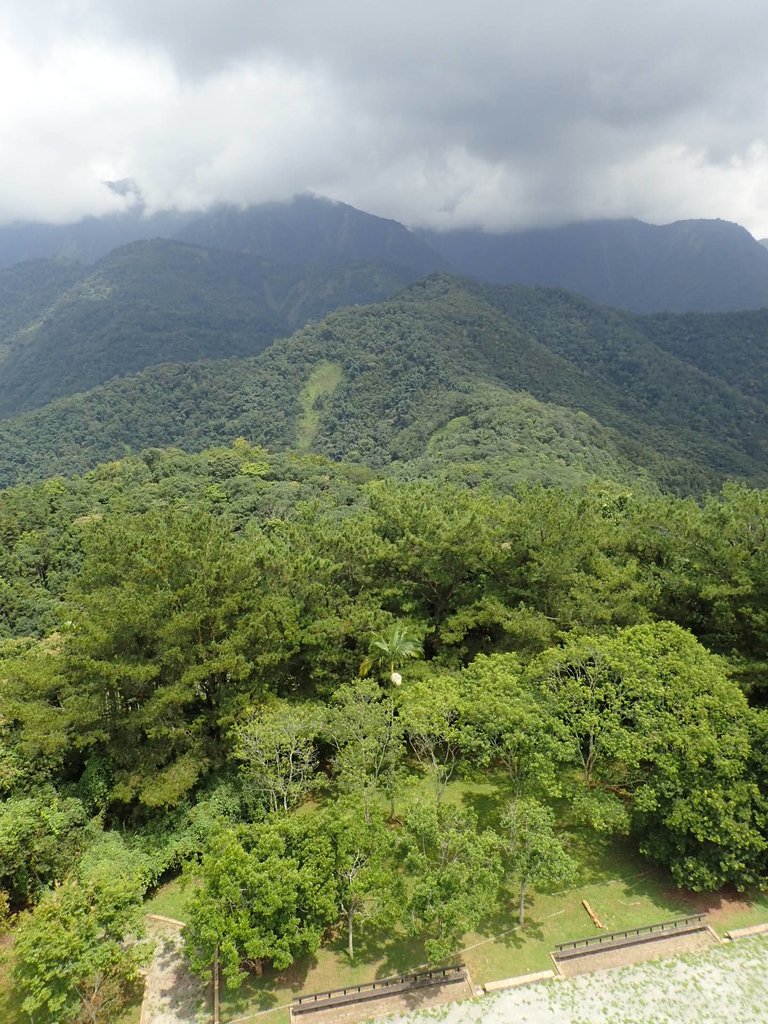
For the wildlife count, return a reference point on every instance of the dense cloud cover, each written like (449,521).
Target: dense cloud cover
(434,112)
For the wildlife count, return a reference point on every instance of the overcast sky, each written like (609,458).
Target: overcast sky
(492,113)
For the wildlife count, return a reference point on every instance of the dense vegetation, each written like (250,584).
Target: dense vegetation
(475,532)
(180,674)
(65,328)
(705,265)
(502,383)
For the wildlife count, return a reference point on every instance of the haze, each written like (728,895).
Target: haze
(441,114)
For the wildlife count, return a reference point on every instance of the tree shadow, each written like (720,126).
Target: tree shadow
(487,807)
(257,993)
(503,925)
(389,949)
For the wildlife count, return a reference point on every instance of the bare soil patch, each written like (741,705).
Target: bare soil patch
(172,995)
(717,905)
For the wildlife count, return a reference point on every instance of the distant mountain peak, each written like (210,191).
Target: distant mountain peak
(686,265)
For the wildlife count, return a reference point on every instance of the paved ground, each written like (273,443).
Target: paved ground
(171,994)
(603,960)
(726,983)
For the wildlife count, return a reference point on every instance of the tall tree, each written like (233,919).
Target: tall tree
(277,749)
(655,723)
(390,651)
(164,645)
(536,854)
(267,894)
(454,872)
(367,882)
(430,712)
(78,954)
(367,734)
(504,723)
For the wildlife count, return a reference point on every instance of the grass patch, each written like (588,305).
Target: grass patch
(169,900)
(323,381)
(10,1000)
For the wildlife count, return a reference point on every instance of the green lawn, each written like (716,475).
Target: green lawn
(169,900)
(625,891)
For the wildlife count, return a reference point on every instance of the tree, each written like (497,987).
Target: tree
(277,750)
(367,883)
(439,546)
(430,713)
(41,837)
(582,687)
(504,723)
(267,894)
(367,733)
(167,639)
(73,959)
(658,726)
(453,875)
(390,651)
(535,853)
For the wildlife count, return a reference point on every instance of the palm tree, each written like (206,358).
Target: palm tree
(390,650)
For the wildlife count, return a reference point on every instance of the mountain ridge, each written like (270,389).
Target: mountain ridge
(687,265)
(442,351)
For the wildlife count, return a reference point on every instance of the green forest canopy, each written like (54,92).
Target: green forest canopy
(172,624)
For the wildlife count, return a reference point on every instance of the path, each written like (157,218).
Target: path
(171,994)
(725,983)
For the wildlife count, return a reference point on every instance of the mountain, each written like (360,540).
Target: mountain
(692,265)
(696,265)
(312,230)
(306,231)
(65,328)
(448,376)
(86,240)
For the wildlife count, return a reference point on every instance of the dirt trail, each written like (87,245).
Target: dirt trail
(171,994)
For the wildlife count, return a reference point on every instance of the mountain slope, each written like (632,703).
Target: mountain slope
(311,230)
(65,329)
(705,265)
(307,230)
(447,370)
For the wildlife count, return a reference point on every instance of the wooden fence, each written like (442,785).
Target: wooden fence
(649,931)
(380,988)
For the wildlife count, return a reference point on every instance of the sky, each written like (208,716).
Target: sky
(499,114)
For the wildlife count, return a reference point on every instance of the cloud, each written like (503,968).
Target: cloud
(441,113)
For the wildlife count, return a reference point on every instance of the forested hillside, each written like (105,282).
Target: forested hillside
(691,265)
(395,623)
(480,376)
(269,667)
(65,329)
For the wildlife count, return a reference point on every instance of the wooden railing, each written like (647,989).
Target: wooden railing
(380,988)
(679,924)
